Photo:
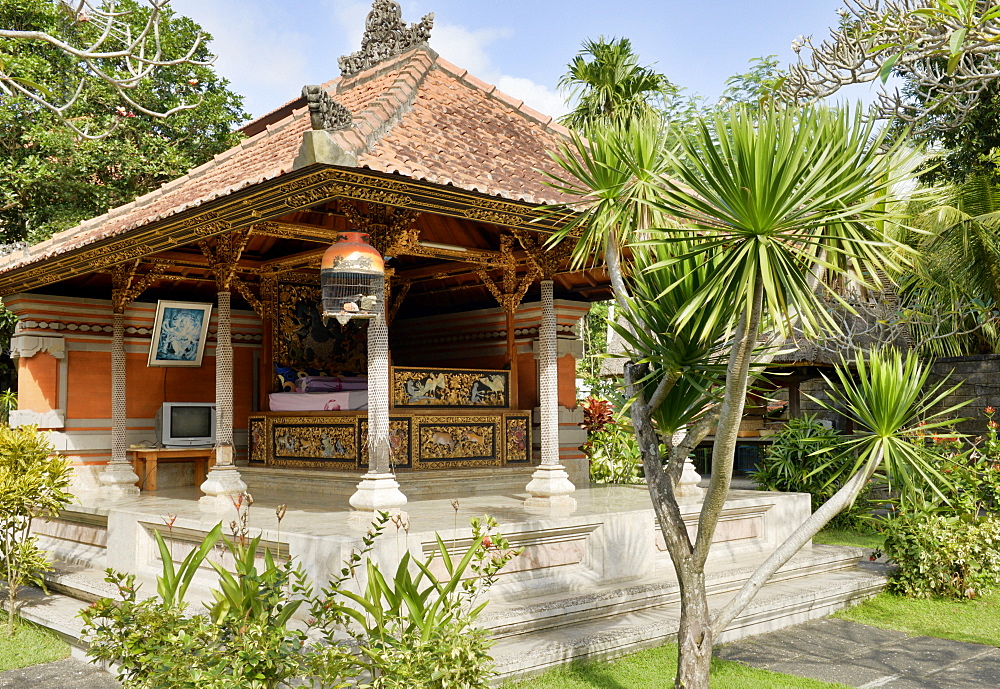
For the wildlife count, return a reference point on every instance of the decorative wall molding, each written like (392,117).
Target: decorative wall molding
(50,419)
(27,346)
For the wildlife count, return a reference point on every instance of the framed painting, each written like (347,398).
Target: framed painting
(179,333)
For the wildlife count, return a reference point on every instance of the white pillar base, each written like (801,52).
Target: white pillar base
(376,493)
(118,478)
(688,486)
(222,485)
(550,488)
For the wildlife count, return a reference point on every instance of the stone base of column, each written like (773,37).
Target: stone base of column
(688,486)
(550,488)
(376,493)
(222,485)
(118,478)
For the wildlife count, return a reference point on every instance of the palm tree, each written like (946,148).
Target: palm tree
(611,86)
(959,264)
(757,201)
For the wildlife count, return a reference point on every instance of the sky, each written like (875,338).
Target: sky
(269,49)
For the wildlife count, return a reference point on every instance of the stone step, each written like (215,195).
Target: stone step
(779,604)
(528,614)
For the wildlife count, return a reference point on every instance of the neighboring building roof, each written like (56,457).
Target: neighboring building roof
(415,115)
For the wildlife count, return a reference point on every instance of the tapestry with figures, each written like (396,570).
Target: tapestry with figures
(301,340)
(450,388)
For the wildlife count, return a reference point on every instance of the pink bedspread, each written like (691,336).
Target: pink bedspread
(348,400)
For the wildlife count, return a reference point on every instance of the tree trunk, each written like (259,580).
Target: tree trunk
(694,637)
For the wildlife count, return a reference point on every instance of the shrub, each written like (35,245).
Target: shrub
(33,483)
(611,446)
(941,554)
(803,458)
(412,629)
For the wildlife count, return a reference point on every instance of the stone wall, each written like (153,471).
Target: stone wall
(980,377)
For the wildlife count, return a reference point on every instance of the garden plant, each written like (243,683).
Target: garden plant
(414,627)
(34,484)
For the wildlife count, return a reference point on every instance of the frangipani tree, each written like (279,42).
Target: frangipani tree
(756,202)
(117,46)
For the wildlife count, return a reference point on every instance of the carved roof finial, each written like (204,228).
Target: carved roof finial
(386,35)
(324,111)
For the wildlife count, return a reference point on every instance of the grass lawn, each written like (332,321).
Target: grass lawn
(655,667)
(976,620)
(30,645)
(834,536)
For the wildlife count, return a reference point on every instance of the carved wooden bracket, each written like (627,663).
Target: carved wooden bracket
(548,260)
(223,254)
(390,229)
(510,291)
(244,289)
(127,284)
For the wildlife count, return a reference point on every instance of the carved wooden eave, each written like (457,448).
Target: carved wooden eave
(268,201)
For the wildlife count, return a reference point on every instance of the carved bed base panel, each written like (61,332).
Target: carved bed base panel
(338,440)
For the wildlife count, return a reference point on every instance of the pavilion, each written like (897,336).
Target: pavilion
(446,175)
(470,358)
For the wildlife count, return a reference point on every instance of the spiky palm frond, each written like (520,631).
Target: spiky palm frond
(775,194)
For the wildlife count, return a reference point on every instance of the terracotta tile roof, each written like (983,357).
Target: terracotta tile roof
(417,115)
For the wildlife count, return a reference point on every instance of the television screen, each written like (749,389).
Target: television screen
(191,422)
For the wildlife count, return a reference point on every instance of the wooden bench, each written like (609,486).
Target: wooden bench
(145,461)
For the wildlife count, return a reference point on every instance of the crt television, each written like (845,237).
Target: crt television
(186,424)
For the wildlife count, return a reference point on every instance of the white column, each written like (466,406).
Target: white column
(550,486)
(223,482)
(118,478)
(378,490)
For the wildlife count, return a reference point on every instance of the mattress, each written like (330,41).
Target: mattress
(347,400)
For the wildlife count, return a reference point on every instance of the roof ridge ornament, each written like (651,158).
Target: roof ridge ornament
(386,35)
(324,111)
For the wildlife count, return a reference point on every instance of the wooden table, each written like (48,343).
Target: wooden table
(144,462)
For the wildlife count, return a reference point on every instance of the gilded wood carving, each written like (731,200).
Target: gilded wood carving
(450,388)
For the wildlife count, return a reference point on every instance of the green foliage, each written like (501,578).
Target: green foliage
(50,179)
(34,482)
(609,86)
(888,399)
(8,403)
(417,628)
(758,87)
(614,454)
(245,638)
(413,629)
(804,458)
(941,554)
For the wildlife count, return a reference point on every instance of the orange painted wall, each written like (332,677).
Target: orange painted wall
(567,381)
(88,390)
(38,382)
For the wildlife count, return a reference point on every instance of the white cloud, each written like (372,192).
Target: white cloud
(467,49)
(265,61)
(539,97)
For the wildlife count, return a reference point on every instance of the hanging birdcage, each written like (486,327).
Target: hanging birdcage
(352,277)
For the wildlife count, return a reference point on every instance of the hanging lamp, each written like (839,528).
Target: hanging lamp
(352,278)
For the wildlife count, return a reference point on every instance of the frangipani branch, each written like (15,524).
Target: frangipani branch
(114,53)
(946,49)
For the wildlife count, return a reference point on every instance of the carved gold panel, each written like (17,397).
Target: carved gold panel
(457,441)
(450,388)
(314,442)
(517,439)
(400,441)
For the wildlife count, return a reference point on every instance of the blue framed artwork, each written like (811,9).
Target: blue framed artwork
(179,333)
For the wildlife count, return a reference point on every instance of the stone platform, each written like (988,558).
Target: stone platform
(593,582)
